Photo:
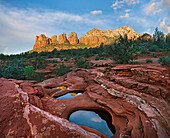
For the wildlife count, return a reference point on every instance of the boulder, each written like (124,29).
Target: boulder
(72,38)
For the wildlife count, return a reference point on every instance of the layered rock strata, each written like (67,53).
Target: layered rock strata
(136,97)
(73,39)
(93,37)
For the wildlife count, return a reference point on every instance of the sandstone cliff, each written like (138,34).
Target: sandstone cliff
(62,39)
(42,41)
(73,39)
(93,37)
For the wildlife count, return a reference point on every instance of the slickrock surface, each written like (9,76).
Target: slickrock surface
(136,96)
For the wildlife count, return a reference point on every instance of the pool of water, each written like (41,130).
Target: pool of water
(68,96)
(92,120)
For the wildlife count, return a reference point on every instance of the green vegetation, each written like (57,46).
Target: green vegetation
(40,76)
(0,69)
(133,62)
(100,58)
(29,72)
(82,64)
(62,69)
(164,61)
(15,69)
(122,51)
(158,38)
(149,60)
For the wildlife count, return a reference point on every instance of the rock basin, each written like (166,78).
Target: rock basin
(92,119)
(68,96)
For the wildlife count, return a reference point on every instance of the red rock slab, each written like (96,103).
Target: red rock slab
(19,118)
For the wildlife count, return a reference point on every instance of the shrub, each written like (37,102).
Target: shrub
(82,64)
(164,61)
(149,60)
(164,50)
(13,72)
(100,58)
(9,72)
(29,72)
(0,70)
(122,51)
(153,48)
(40,76)
(62,69)
(97,58)
(107,68)
(154,54)
(133,62)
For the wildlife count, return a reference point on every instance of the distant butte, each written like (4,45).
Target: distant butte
(93,37)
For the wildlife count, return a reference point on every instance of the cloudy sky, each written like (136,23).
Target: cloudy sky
(22,20)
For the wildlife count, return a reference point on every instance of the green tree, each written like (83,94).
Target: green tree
(40,76)
(159,38)
(82,64)
(19,65)
(9,72)
(62,69)
(122,51)
(0,69)
(29,72)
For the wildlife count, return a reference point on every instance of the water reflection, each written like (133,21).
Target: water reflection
(68,96)
(92,120)
(60,87)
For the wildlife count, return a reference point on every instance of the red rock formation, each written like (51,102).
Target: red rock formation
(136,96)
(72,38)
(53,39)
(19,118)
(41,41)
(62,39)
(94,36)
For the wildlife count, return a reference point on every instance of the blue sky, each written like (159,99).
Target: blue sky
(22,20)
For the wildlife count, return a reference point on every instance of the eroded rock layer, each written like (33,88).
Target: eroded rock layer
(93,37)
(136,97)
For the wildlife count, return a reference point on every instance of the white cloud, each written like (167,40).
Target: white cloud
(156,7)
(120,3)
(138,21)
(128,10)
(96,12)
(167,29)
(18,27)
(149,30)
(95,119)
(162,24)
(5,50)
(125,16)
(166,3)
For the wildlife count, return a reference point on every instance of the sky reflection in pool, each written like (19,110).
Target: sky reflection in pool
(92,120)
(68,96)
